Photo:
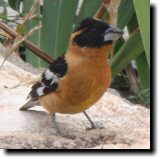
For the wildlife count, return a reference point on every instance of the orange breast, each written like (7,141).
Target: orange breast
(84,84)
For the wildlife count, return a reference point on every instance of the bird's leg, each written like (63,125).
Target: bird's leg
(55,123)
(53,115)
(91,122)
(93,126)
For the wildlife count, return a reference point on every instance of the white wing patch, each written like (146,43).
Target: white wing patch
(51,75)
(40,91)
(55,79)
(48,74)
(50,78)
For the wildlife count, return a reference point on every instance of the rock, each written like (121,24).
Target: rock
(125,126)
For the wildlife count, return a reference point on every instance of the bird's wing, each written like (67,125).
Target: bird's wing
(50,78)
(30,103)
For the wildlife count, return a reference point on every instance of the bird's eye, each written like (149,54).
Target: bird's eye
(93,30)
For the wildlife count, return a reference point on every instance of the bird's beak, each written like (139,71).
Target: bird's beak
(112,33)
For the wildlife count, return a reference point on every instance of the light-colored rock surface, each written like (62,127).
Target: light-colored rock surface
(126,126)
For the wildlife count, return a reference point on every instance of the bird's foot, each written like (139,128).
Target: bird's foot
(94,127)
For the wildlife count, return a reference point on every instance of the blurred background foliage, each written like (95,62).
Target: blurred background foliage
(131,58)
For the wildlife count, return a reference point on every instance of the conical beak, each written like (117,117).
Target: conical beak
(112,33)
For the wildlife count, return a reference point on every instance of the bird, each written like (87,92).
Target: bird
(80,77)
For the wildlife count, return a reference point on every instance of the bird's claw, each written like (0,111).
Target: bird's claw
(94,127)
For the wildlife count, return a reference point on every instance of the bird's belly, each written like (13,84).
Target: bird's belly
(79,95)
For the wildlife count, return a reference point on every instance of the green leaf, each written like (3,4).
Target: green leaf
(5,12)
(143,15)
(132,24)
(141,61)
(15,4)
(142,97)
(118,45)
(58,17)
(129,51)
(143,71)
(35,37)
(125,13)
(88,9)
(3,3)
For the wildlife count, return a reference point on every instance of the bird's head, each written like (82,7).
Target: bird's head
(93,33)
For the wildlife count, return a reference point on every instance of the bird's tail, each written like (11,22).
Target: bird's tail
(29,104)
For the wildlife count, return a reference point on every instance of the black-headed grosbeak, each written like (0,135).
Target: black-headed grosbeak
(76,80)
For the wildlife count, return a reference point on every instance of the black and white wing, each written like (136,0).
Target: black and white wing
(50,78)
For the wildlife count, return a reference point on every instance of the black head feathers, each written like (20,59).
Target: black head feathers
(95,33)
(90,22)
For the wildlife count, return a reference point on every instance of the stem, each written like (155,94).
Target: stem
(28,44)
(102,9)
(132,78)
